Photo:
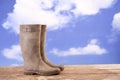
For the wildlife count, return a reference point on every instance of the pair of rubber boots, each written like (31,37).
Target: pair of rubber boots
(32,42)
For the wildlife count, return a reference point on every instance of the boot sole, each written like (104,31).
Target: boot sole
(41,73)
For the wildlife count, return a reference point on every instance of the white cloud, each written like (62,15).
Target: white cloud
(116,22)
(90,7)
(13,53)
(90,49)
(112,38)
(54,13)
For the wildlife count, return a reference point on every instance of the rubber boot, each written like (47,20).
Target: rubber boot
(42,47)
(29,42)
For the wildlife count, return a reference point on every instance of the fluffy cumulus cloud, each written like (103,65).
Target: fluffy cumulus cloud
(114,37)
(116,22)
(13,53)
(90,49)
(54,13)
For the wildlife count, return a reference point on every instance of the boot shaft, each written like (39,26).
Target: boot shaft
(29,41)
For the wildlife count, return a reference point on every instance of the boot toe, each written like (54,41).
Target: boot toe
(49,73)
(61,68)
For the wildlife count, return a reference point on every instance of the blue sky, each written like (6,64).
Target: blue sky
(78,31)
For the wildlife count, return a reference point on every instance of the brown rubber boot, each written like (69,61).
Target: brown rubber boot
(42,47)
(29,41)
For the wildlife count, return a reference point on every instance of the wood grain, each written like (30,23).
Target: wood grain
(71,72)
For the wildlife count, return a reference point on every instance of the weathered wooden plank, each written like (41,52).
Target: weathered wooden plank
(71,72)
